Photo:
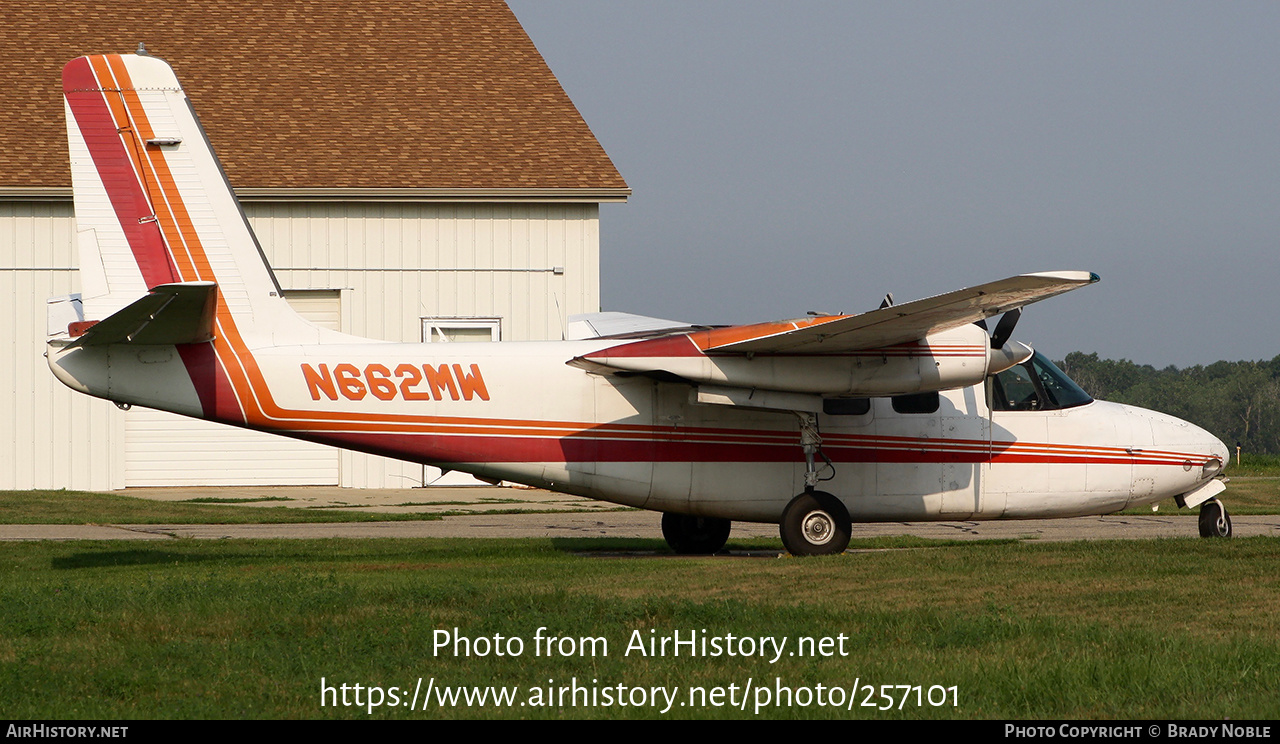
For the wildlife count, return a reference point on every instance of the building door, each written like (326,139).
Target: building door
(165,449)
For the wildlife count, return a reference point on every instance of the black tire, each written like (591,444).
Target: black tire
(689,535)
(815,523)
(1214,520)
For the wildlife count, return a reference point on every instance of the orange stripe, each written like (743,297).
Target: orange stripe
(108,83)
(179,230)
(160,190)
(718,337)
(154,185)
(260,409)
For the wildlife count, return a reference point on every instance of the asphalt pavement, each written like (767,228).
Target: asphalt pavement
(472,513)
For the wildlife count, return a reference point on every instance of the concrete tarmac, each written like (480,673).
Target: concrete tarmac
(545,514)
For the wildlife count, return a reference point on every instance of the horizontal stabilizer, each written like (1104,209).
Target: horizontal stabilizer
(181,313)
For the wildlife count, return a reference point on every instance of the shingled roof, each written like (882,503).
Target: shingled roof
(315,94)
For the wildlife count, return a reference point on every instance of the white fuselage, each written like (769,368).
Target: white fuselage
(179,311)
(518,412)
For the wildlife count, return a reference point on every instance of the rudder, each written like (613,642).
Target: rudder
(153,206)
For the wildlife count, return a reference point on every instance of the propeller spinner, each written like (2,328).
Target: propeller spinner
(1006,353)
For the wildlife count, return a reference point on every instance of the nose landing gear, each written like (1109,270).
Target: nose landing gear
(1214,520)
(815,523)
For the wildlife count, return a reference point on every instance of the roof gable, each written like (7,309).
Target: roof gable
(295,94)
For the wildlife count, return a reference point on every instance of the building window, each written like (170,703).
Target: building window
(461,330)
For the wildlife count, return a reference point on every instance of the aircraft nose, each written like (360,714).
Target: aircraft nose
(1219,448)
(1217,455)
(1200,454)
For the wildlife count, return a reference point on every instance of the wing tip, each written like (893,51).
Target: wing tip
(1079,277)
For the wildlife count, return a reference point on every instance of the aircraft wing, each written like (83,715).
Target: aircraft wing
(891,325)
(915,347)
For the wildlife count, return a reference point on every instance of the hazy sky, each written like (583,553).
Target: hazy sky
(804,155)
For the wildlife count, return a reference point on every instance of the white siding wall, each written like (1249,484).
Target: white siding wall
(49,436)
(393,262)
(408,260)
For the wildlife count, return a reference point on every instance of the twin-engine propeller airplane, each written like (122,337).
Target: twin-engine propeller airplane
(909,412)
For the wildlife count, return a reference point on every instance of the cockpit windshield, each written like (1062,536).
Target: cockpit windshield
(1035,385)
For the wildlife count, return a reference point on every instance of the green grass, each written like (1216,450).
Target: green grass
(1153,629)
(1244,495)
(1253,486)
(1255,465)
(80,507)
(1251,495)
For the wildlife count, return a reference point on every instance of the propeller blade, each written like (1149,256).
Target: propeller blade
(1004,329)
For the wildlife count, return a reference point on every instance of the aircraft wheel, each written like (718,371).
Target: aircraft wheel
(688,535)
(815,523)
(1214,520)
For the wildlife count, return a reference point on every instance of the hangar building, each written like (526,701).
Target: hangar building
(412,168)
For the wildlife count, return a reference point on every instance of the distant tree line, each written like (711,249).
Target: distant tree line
(1236,401)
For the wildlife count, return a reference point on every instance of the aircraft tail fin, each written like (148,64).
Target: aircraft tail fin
(153,206)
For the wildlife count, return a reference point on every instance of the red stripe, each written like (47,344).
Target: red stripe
(446,448)
(684,346)
(669,346)
(115,168)
(217,398)
(869,353)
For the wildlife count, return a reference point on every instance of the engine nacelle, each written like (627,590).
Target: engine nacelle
(952,359)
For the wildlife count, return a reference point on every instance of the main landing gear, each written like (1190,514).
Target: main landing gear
(1214,520)
(813,523)
(688,535)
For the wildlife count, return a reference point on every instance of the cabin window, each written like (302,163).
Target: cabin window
(1035,385)
(1015,390)
(918,403)
(846,406)
(1060,391)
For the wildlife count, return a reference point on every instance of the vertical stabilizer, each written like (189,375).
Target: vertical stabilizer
(153,206)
